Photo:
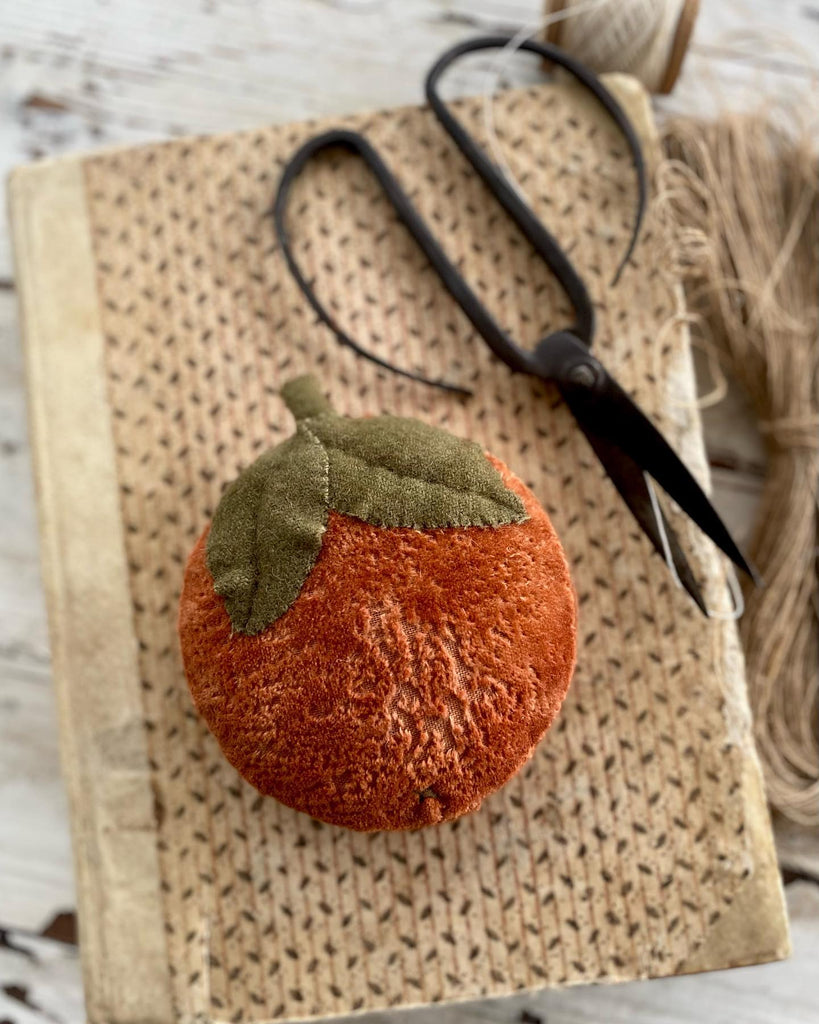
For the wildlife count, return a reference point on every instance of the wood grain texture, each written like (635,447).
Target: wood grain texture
(76,76)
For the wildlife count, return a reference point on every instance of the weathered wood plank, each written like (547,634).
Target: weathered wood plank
(81,75)
(23,631)
(39,980)
(35,854)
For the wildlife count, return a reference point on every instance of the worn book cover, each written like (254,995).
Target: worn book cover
(159,324)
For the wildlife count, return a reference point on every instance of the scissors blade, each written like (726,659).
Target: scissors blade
(603,408)
(633,488)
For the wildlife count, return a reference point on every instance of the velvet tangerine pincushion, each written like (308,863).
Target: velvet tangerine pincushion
(379,624)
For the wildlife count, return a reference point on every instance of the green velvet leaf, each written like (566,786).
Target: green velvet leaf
(393,472)
(267,531)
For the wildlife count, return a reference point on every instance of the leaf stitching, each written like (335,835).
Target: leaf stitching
(396,472)
(267,531)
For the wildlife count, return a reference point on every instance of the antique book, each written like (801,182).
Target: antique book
(159,324)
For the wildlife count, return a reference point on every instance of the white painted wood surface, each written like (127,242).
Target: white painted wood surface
(77,74)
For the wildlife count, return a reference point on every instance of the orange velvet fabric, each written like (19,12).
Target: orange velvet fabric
(413,675)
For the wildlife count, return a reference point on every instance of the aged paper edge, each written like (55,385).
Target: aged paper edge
(93,646)
(755,928)
(123,946)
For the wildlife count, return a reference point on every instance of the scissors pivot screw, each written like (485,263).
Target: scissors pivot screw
(584,375)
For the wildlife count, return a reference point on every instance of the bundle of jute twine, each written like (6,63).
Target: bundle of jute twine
(739,195)
(741,198)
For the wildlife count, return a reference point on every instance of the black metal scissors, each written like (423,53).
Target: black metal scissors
(629,446)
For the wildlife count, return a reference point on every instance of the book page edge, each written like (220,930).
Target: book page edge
(755,928)
(93,646)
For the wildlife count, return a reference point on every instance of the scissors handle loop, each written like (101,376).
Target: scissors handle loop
(504,347)
(509,198)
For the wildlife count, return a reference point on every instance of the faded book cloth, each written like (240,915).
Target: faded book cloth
(160,323)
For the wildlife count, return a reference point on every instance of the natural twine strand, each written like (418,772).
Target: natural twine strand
(742,200)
